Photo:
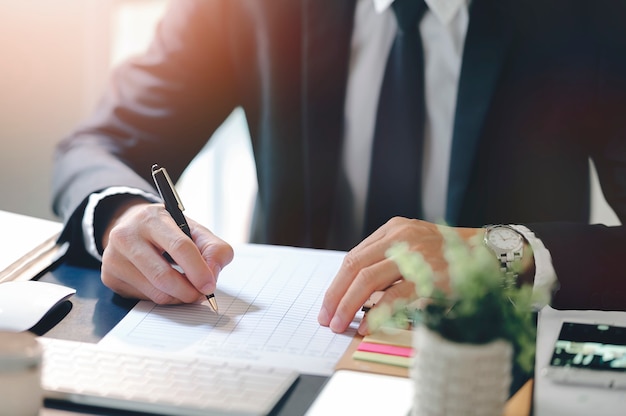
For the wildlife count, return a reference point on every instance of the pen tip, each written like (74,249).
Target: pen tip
(212,302)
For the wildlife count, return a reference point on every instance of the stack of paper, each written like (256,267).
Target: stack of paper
(28,246)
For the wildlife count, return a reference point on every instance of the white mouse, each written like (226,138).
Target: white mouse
(24,303)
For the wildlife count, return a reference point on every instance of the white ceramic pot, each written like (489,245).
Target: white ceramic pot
(452,378)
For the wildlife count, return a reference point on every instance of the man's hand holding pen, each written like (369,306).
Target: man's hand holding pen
(174,206)
(133,264)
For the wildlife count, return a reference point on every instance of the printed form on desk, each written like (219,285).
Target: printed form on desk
(268,297)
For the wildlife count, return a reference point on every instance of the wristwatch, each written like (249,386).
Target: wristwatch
(507,244)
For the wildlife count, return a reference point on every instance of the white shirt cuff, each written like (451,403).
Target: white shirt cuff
(89,239)
(545,275)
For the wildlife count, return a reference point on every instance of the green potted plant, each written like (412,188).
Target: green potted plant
(469,323)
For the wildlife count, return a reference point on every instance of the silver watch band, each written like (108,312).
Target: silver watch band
(507,260)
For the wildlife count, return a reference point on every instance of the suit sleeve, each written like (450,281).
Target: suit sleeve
(589,259)
(160,107)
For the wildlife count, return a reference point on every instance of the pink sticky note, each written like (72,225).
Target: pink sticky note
(385,349)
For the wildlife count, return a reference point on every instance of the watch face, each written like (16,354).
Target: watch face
(504,238)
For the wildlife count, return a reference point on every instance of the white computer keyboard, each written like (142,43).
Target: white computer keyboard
(85,373)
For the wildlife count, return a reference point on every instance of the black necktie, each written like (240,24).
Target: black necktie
(395,173)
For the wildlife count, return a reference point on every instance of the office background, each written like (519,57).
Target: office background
(55,57)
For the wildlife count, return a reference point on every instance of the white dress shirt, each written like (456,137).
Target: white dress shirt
(442,29)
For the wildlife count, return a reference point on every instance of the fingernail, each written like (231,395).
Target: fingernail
(208,289)
(337,324)
(323,317)
(362,328)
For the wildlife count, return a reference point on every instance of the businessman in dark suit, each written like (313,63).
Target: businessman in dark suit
(539,92)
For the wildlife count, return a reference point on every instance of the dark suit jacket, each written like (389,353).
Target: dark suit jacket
(542,91)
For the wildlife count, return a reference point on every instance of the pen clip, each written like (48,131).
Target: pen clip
(171,185)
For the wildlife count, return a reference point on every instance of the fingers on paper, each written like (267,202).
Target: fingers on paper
(133,264)
(202,257)
(139,279)
(347,294)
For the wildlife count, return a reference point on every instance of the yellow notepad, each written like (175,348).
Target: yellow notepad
(398,337)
